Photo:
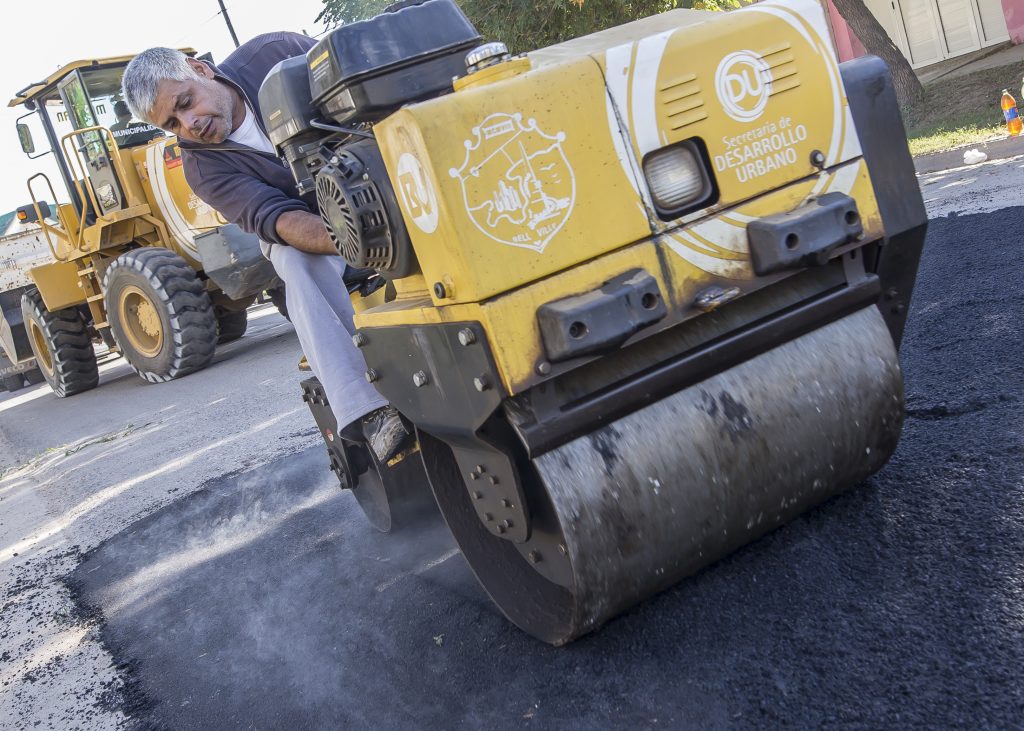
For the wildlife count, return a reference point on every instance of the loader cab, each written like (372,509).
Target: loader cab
(80,113)
(91,98)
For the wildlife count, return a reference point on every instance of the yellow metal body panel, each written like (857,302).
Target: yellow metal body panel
(162,179)
(58,284)
(496,199)
(117,229)
(162,208)
(509,320)
(760,87)
(477,221)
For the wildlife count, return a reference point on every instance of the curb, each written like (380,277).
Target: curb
(995,149)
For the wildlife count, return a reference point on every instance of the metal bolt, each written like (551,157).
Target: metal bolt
(330,435)
(359,340)
(480,469)
(543,368)
(419,379)
(562,549)
(335,160)
(473,476)
(533,557)
(506,503)
(891,294)
(488,517)
(481,383)
(493,480)
(500,528)
(439,291)
(366,176)
(818,159)
(467,336)
(507,523)
(371,375)
(478,495)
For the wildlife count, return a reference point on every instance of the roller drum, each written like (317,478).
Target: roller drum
(655,496)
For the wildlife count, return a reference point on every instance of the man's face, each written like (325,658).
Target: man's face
(199,110)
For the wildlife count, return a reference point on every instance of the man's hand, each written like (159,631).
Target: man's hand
(305,231)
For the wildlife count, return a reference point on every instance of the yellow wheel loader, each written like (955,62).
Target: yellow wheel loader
(140,262)
(646,287)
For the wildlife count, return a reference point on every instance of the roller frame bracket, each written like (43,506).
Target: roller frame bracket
(602,319)
(430,374)
(807,236)
(494,490)
(337,450)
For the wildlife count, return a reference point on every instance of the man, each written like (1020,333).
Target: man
(124,117)
(230,163)
(128,133)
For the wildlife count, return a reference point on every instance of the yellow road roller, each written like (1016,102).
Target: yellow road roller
(645,288)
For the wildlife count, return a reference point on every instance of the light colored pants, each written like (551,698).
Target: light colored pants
(321,311)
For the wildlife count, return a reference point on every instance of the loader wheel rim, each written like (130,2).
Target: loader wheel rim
(42,350)
(141,321)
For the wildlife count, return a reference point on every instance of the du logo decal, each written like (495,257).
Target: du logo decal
(417,193)
(743,82)
(517,184)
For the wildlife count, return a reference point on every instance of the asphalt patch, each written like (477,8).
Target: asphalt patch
(265,601)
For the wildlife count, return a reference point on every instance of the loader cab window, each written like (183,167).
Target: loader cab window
(103,89)
(94,150)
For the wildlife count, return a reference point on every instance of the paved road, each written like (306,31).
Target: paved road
(75,472)
(229,584)
(974,188)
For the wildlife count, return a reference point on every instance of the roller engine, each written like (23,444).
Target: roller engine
(646,287)
(324,106)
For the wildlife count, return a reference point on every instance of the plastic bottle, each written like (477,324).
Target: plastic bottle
(1009,106)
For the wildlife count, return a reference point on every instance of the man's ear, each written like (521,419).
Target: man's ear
(200,68)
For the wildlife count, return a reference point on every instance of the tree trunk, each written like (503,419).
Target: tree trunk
(877,42)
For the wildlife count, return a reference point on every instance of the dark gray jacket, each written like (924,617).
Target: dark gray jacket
(249,187)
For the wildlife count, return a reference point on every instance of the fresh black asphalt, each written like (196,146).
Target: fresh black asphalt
(264,601)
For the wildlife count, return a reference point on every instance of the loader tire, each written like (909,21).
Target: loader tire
(231,325)
(62,346)
(160,314)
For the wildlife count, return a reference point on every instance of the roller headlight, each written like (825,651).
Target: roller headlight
(678,180)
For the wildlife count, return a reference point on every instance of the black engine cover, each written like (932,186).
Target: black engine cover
(364,71)
(358,206)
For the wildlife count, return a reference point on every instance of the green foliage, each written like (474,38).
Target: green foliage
(524,25)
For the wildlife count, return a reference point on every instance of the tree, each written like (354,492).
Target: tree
(524,25)
(870,32)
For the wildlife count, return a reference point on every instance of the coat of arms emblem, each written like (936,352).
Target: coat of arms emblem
(517,184)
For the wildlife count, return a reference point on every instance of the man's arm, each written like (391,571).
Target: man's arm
(255,206)
(305,231)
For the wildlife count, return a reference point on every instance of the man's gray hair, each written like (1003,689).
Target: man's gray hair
(144,74)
